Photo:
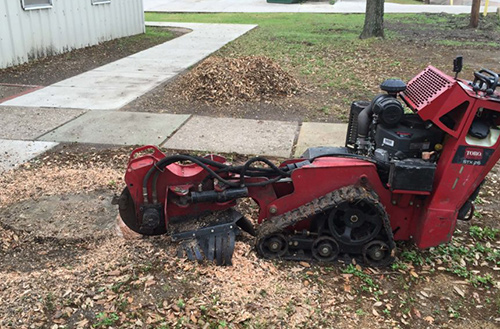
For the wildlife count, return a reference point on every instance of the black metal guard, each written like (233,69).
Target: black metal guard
(213,242)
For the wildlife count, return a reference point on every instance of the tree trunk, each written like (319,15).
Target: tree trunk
(474,13)
(374,19)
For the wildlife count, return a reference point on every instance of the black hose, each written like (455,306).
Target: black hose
(204,163)
(160,165)
(252,172)
(264,160)
(155,180)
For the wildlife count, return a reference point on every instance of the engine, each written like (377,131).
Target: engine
(405,147)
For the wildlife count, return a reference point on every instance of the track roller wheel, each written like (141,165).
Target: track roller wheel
(377,253)
(273,246)
(325,249)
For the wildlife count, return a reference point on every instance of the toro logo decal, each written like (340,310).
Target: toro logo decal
(472,156)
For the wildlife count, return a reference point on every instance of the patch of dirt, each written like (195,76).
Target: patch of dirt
(51,69)
(66,216)
(11,90)
(450,27)
(486,206)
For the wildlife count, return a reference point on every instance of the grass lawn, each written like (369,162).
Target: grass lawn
(153,33)
(325,53)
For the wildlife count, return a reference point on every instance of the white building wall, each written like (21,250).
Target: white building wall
(69,24)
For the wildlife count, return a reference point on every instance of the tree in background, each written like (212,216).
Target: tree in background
(374,19)
(474,13)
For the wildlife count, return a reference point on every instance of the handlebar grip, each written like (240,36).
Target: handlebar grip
(490,72)
(494,76)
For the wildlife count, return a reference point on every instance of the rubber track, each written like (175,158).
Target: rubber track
(324,204)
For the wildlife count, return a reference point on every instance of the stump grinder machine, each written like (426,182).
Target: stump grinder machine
(413,163)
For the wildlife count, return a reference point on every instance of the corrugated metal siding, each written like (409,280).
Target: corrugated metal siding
(69,24)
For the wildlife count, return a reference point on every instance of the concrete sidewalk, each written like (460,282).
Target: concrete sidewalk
(261,6)
(31,131)
(114,85)
(16,152)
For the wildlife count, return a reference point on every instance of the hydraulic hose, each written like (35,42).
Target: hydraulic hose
(245,171)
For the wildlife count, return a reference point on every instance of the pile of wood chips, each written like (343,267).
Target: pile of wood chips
(222,81)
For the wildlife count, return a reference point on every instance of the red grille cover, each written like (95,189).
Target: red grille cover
(426,86)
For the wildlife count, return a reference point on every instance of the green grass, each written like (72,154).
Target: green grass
(307,37)
(153,34)
(105,320)
(368,283)
(484,233)
(313,27)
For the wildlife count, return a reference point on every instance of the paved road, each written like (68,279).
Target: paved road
(261,6)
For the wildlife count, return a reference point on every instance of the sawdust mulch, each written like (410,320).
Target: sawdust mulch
(223,80)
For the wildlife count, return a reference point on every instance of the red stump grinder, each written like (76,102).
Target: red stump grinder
(409,169)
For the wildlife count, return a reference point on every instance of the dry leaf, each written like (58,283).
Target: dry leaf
(459,291)
(82,324)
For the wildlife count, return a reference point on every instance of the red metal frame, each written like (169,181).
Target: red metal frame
(453,182)
(428,219)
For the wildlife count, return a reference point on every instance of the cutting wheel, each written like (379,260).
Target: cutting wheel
(128,214)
